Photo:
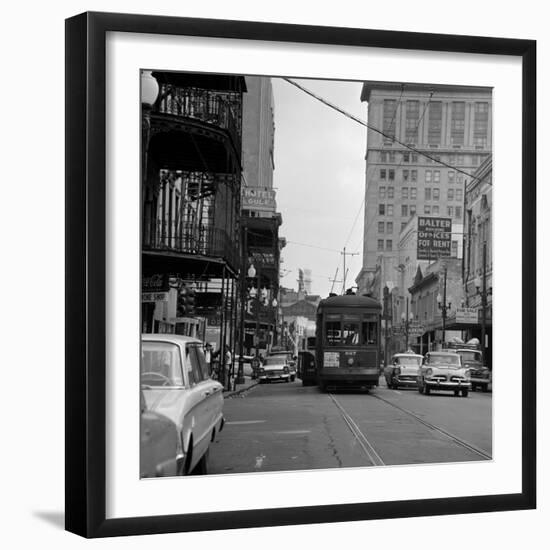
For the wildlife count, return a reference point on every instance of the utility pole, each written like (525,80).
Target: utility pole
(334,281)
(344,253)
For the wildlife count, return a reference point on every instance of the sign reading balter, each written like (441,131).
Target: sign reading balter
(434,238)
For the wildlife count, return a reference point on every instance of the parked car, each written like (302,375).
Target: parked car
(289,360)
(480,375)
(403,370)
(443,370)
(159,443)
(176,383)
(274,368)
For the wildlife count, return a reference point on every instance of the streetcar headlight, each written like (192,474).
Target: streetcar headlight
(350,361)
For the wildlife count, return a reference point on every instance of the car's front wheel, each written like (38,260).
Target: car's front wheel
(426,389)
(202,466)
(464,393)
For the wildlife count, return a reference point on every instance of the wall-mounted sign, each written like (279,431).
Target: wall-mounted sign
(467,315)
(255,197)
(434,238)
(154,296)
(155,283)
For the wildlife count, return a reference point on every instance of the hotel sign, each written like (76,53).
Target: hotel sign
(466,315)
(434,238)
(255,197)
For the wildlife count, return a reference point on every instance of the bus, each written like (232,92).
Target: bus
(348,348)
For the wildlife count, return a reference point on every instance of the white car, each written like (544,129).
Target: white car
(274,368)
(442,370)
(176,383)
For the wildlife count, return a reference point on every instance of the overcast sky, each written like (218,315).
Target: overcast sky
(320,180)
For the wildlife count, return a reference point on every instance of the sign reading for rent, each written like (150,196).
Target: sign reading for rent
(434,238)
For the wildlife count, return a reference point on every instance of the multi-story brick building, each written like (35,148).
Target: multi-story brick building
(423,142)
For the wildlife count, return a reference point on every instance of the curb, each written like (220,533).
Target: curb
(233,393)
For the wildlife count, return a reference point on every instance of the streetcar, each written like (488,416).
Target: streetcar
(348,350)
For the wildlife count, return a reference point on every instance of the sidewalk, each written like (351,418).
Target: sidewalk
(240,388)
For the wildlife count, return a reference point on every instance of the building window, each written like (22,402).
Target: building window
(481,123)
(403,225)
(389,228)
(390,192)
(427,209)
(436,193)
(460,160)
(390,109)
(380,244)
(404,211)
(414,157)
(413,192)
(436,176)
(405,175)
(406,157)
(458,115)
(382,192)
(414,174)
(460,178)
(389,244)
(459,194)
(454,249)
(450,194)
(458,212)
(435,209)
(411,121)
(391,174)
(451,177)
(412,209)
(404,192)
(381,209)
(392,156)
(450,211)
(383,174)
(380,227)
(428,176)
(390,209)
(428,194)
(434,122)
(383,156)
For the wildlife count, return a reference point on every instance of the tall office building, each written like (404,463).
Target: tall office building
(451,124)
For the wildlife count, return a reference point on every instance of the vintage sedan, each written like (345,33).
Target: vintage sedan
(289,359)
(443,370)
(480,375)
(274,368)
(176,383)
(403,370)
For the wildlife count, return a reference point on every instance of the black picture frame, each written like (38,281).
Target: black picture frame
(86,267)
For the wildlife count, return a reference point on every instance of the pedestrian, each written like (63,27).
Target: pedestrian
(208,356)
(228,358)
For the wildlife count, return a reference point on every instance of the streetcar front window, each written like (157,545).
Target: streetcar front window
(370,333)
(332,333)
(350,333)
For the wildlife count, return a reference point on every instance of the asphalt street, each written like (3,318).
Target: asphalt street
(285,426)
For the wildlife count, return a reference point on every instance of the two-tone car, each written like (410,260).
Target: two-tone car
(444,371)
(275,368)
(176,383)
(403,370)
(289,359)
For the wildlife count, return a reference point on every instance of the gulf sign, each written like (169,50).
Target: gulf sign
(434,238)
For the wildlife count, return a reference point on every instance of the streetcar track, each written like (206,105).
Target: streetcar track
(449,435)
(370,451)
(365,444)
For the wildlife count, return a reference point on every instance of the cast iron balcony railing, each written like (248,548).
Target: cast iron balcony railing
(210,241)
(203,105)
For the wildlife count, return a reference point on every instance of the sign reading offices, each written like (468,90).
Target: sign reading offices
(434,238)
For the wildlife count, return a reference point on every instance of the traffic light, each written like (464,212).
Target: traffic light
(190,301)
(182,302)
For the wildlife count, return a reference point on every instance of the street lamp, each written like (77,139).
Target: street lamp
(481,290)
(149,94)
(443,305)
(406,320)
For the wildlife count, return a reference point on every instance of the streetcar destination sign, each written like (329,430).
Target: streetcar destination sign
(434,238)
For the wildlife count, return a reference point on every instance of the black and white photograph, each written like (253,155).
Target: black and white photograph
(316,274)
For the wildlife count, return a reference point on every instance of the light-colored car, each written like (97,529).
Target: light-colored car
(176,383)
(274,368)
(403,370)
(443,370)
(289,360)
(159,442)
